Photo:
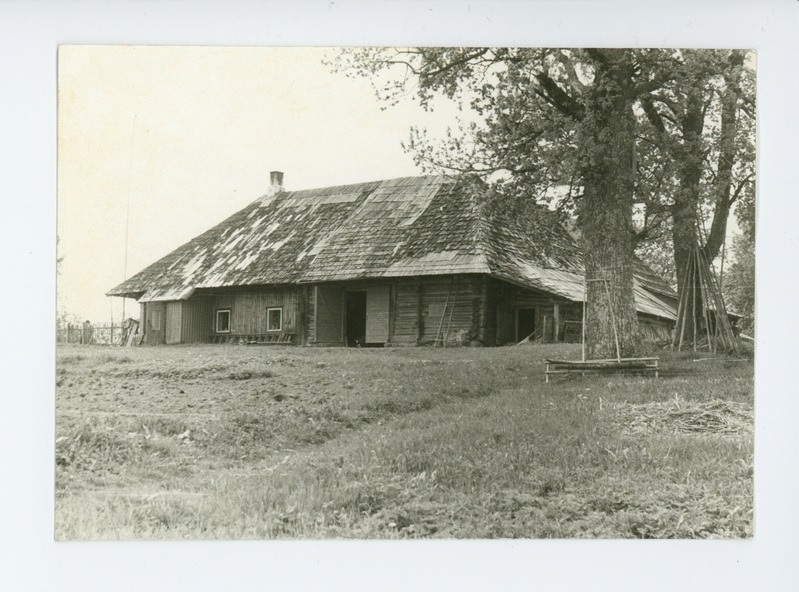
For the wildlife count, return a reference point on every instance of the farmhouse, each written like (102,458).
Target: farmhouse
(416,260)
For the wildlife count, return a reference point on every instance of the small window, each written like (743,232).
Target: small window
(274,319)
(155,320)
(223,321)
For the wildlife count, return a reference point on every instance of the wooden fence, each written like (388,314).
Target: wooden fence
(90,334)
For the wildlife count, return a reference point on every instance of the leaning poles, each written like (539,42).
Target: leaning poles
(700,283)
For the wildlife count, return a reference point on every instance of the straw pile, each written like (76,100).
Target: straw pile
(697,417)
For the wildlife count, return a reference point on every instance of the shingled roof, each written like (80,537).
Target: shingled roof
(411,226)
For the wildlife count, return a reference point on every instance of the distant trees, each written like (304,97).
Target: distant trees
(739,282)
(668,130)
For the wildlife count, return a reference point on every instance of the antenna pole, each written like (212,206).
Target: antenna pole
(127,210)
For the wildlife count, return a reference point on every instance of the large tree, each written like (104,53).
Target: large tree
(610,128)
(547,116)
(696,157)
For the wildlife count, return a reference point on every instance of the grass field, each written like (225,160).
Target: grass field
(230,442)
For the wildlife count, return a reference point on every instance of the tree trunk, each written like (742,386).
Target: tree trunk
(686,207)
(605,214)
(684,238)
(685,211)
(726,159)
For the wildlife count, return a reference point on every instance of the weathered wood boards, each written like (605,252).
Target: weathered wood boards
(638,365)
(443,310)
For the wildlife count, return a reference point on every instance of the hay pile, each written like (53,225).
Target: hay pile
(696,417)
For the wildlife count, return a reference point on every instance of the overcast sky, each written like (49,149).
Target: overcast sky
(187,136)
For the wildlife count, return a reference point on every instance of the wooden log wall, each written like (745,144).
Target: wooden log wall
(503,314)
(504,300)
(655,329)
(448,309)
(408,320)
(417,307)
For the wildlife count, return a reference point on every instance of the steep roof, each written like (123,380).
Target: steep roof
(411,226)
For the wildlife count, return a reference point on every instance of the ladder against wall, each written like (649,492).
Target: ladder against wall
(449,309)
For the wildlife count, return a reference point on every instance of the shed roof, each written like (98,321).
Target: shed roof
(411,226)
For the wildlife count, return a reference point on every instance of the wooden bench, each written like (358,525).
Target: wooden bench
(613,365)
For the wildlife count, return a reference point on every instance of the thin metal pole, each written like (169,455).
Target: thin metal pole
(127,211)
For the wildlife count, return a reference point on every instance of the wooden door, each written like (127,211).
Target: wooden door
(174,321)
(329,314)
(377,314)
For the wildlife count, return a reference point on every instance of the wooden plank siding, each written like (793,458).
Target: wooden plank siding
(378,314)
(248,310)
(448,308)
(408,322)
(198,319)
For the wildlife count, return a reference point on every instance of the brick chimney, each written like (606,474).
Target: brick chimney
(276,182)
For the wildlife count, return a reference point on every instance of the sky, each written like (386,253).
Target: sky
(161,143)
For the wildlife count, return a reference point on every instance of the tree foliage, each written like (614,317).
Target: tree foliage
(739,282)
(591,132)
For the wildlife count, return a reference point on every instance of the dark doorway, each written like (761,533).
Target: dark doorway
(525,323)
(356,319)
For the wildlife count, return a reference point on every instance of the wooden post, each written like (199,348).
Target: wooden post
(585,298)
(685,307)
(418,310)
(452,311)
(693,299)
(613,320)
(315,316)
(556,316)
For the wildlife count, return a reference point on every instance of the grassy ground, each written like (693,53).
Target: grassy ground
(276,442)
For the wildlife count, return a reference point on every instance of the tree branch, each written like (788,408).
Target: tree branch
(558,98)
(652,114)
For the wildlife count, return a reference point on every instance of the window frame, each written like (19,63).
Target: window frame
(268,311)
(216,320)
